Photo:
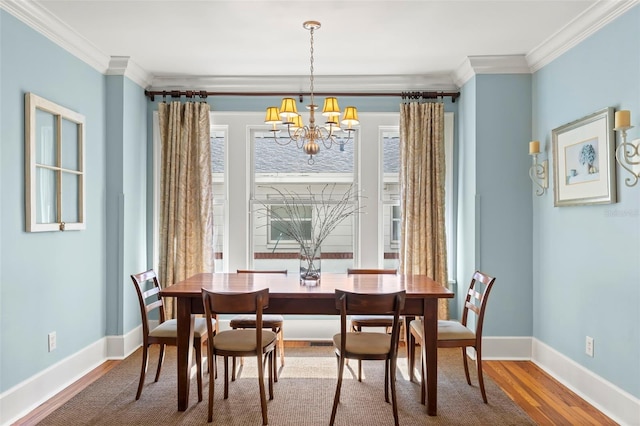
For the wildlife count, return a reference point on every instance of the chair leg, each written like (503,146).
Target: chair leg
(423,379)
(394,400)
(411,356)
(226,377)
(336,399)
(233,368)
(272,367)
(281,344)
(212,367)
(198,348)
(143,370)
(359,370)
(160,359)
(480,379)
(263,399)
(386,380)
(466,364)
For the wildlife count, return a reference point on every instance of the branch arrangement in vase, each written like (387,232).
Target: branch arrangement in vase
(330,207)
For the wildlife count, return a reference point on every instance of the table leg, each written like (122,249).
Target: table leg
(185,342)
(430,352)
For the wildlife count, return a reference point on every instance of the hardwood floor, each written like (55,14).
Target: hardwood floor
(542,397)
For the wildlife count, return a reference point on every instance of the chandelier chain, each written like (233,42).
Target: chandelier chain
(311,73)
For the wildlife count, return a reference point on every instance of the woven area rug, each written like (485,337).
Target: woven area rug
(303,396)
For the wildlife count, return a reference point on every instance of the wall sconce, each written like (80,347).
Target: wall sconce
(627,153)
(538,171)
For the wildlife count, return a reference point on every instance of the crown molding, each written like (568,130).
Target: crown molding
(586,24)
(298,84)
(494,64)
(39,19)
(123,65)
(57,31)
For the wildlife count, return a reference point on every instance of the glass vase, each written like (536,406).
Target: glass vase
(310,257)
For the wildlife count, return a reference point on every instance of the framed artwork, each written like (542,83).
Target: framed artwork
(54,166)
(583,159)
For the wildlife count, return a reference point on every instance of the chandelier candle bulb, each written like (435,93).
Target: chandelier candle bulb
(534,147)
(622,119)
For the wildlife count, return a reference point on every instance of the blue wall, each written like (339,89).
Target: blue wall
(495,197)
(49,281)
(59,281)
(586,258)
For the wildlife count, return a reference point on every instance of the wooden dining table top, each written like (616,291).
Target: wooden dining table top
(289,286)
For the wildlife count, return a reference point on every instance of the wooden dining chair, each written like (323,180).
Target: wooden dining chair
(458,334)
(166,333)
(368,345)
(274,322)
(239,343)
(360,321)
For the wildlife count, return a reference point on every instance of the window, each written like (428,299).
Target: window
(390,137)
(54,142)
(395,225)
(278,216)
(218,156)
(284,169)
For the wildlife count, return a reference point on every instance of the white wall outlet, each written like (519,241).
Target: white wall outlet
(52,341)
(588,349)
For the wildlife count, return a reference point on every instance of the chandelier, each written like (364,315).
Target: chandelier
(308,137)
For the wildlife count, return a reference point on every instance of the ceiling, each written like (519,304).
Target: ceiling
(423,42)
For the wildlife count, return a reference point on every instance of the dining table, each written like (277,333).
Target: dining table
(288,295)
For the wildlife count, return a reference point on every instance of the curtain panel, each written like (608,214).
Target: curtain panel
(186,193)
(422,194)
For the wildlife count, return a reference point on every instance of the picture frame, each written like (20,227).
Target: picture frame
(584,161)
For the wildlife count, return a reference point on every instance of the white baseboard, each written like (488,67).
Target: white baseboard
(617,404)
(20,400)
(26,396)
(511,348)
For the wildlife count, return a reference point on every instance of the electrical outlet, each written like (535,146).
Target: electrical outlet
(588,349)
(52,341)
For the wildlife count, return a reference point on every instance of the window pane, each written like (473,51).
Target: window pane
(69,145)
(46,130)
(218,236)
(46,205)
(70,197)
(218,142)
(391,197)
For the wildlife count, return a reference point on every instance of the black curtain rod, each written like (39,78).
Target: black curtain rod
(203,94)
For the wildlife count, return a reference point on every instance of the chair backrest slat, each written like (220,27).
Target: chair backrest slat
(479,294)
(150,299)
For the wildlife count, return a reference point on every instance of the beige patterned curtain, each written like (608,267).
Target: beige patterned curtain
(423,244)
(186,193)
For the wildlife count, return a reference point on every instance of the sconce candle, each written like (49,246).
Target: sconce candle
(622,119)
(534,147)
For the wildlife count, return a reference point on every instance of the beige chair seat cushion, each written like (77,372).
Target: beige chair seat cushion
(365,343)
(447,330)
(169,328)
(249,321)
(372,320)
(241,340)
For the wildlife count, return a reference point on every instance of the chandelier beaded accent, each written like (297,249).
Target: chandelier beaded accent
(308,137)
